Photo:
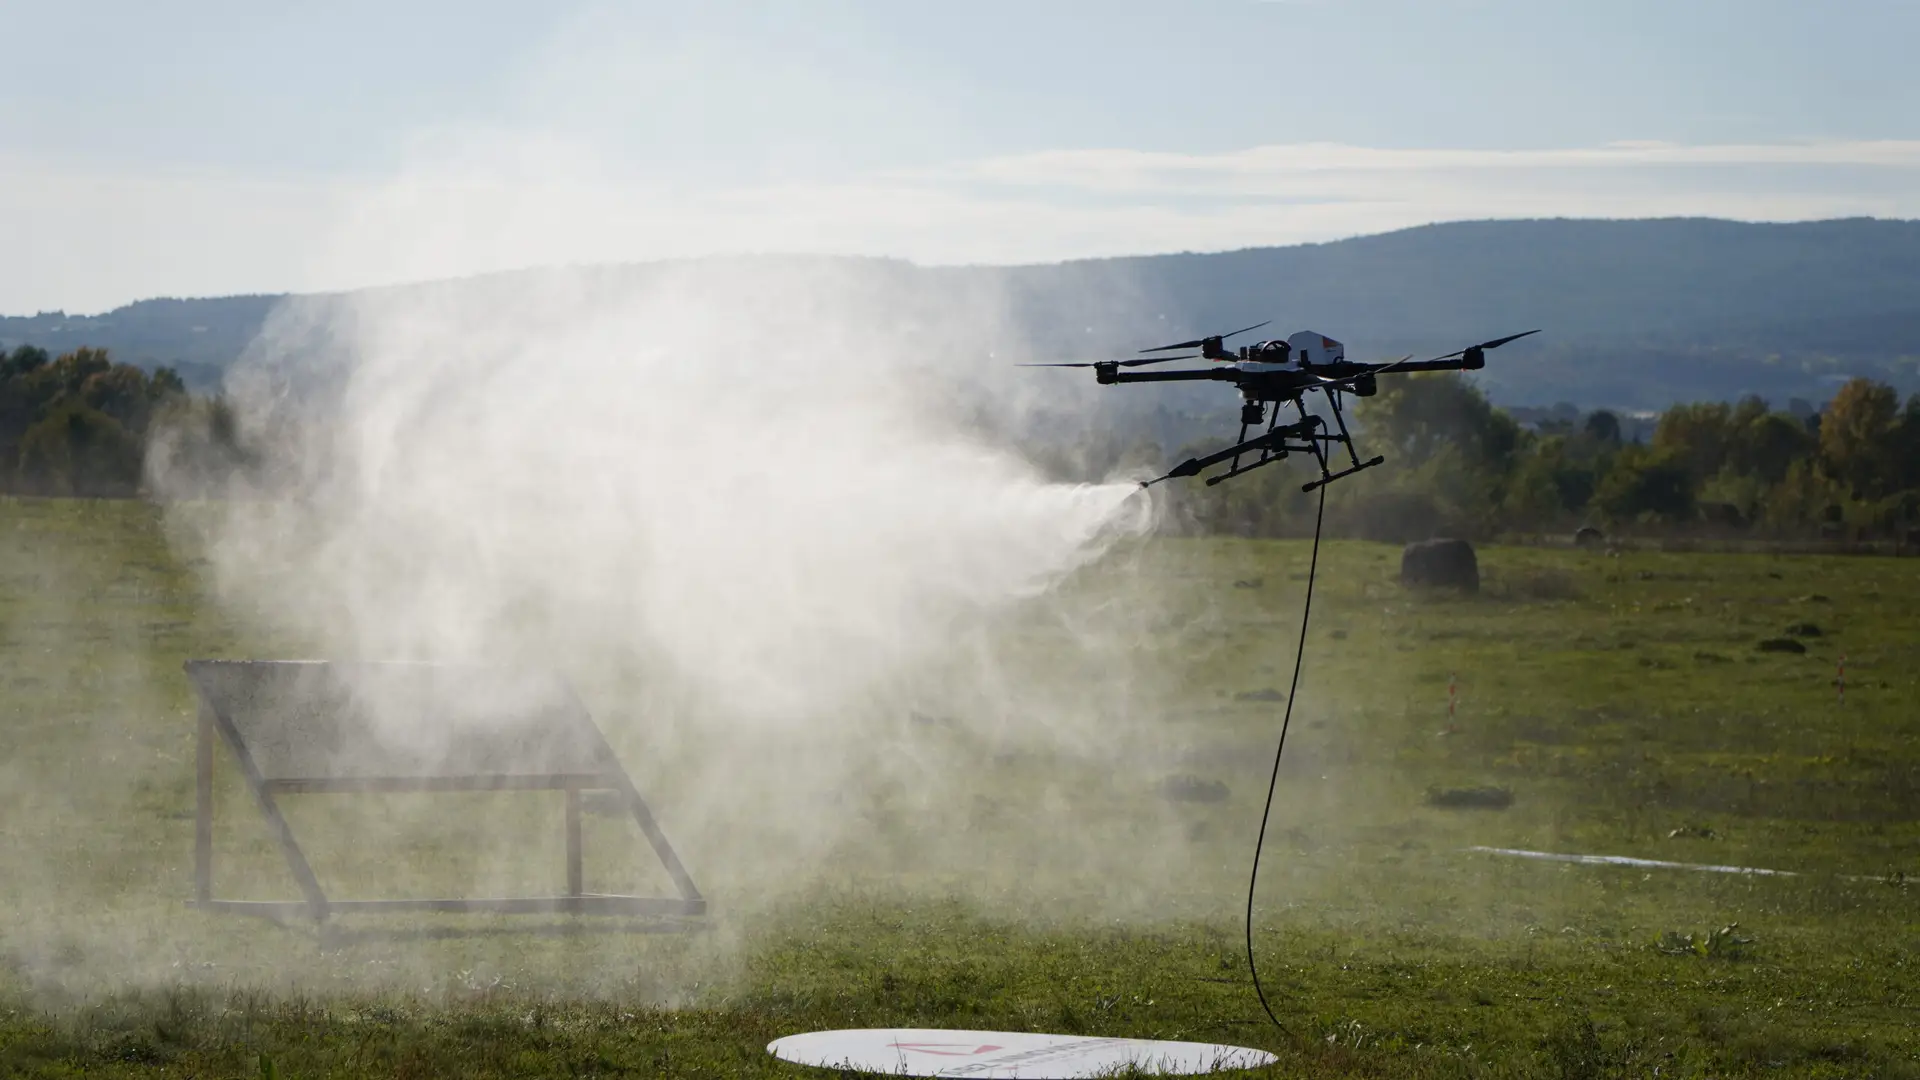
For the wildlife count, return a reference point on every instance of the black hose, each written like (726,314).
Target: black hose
(1286,717)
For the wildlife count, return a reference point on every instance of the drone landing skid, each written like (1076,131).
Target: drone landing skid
(1272,445)
(1278,455)
(1325,477)
(1330,478)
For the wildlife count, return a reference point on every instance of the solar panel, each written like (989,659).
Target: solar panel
(310,727)
(332,720)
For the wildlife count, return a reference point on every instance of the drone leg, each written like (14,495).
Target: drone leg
(1346,439)
(1272,422)
(1237,442)
(1333,400)
(1319,452)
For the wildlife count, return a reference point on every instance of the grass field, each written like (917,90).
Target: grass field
(1043,884)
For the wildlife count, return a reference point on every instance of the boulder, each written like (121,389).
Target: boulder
(1445,563)
(1589,537)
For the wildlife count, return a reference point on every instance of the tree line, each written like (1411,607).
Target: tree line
(1457,463)
(81,424)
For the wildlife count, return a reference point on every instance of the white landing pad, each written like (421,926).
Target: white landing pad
(1004,1055)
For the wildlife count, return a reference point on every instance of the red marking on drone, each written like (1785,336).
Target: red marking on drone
(928,1048)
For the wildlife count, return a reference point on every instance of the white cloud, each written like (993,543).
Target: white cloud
(1141,170)
(85,238)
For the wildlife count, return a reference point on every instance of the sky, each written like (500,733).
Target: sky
(200,148)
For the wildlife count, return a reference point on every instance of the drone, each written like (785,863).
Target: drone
(1270,374)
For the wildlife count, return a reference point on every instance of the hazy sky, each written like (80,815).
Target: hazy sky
(198,148)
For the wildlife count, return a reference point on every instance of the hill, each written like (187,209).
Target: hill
(1639,314)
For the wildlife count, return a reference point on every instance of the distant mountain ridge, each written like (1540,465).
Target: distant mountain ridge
(1638,313)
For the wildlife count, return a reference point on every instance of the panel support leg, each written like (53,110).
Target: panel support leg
(203,809)
(642,816)
(276,823)
(576,878)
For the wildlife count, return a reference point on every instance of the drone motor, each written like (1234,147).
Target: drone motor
(1269,352)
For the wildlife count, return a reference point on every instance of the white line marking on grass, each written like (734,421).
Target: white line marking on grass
(1625,860)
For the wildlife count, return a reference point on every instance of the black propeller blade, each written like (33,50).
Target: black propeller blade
(1121,363)
(1494,344)
(1197,342)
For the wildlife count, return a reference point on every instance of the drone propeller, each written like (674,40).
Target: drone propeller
(1198,342)
(1121,363)
(1494,344)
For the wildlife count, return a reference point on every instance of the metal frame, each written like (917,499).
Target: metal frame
(319,907)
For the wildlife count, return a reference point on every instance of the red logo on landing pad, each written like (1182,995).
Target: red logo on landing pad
(931,1048)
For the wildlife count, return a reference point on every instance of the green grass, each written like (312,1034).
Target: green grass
(1011,881)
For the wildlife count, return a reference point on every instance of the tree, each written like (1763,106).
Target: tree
(79,451)
(1803,496)
(1446,441)
(195,447)
(16,412)
(1648,484)
(166,384)
(123,392)
(1417,415)
(1698,435)
(1906,444)
(1857,437)
(1767,446)
(23,361)
(1554,479)
(1751,408)
(72,370)
(1603,427)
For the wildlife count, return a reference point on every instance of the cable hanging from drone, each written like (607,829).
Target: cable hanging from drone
(1270,374)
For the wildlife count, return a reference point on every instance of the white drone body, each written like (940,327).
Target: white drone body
(1311,348)
(1299,352)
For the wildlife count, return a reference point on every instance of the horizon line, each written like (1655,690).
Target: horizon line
(852,257)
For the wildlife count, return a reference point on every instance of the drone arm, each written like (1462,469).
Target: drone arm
(1346,372)
(1472,358)
(1457,364)
(1108,375)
